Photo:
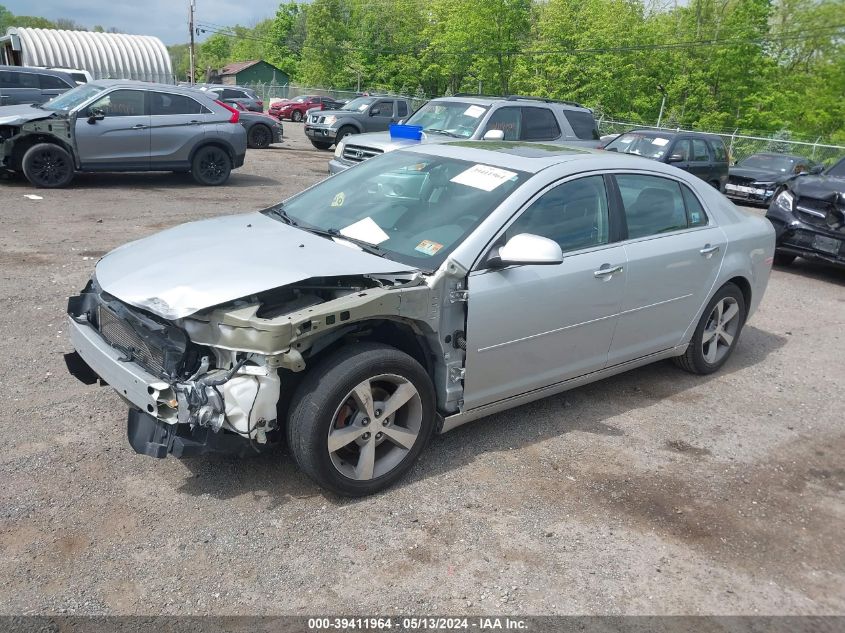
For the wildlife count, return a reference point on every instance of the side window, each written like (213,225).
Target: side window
(508,120)
(50,82)
(121,103)
(403,109)
(228,93)
(163,103)
(653,205)
(385,108)
(699,151)
(682,148)
(7,79)
(539,124)
(695,212)
(573,214)
(719,151)
(24,80)
(583,124)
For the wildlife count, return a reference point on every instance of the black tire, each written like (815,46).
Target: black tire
(783,259)
(345,131)
(259,137)
(48,166)
(321,145)
(211,166)
(693,360)
(296,117)
(716,185)
(320,398)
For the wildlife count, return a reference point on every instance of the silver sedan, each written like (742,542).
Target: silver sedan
(413,293)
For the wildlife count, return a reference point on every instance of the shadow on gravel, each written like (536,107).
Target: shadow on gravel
(141,180)
(814,270)
(273,475)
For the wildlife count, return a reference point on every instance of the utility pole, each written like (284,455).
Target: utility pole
(191,51)
(662,104)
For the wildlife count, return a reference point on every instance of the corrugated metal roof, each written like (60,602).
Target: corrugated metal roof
(234,69)
(104,55)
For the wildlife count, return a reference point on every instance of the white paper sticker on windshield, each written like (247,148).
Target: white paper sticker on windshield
(483,177)
(660,141)
(365,230)
(474,111)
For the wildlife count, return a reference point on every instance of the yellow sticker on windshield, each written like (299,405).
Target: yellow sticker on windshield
(428,247)
(339,199)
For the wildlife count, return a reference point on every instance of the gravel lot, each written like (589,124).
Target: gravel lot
(652,492)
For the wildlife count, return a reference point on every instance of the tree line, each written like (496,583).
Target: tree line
(764,66)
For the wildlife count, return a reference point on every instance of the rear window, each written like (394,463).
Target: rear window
(719,150)
(539,124)
(583,124)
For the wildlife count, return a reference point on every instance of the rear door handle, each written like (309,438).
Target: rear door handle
(140,126)
(708,250)
(194,123)
(606,272)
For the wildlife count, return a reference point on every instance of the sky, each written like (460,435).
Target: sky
(166,19)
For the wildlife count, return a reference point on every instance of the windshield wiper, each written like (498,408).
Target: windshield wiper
(446,132)
(278,211)
(372,249)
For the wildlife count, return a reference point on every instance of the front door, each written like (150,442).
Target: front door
(532,326)
(380,116)
(673,256)
(121,140)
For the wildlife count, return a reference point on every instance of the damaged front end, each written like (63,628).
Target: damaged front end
(21,127)
(185,399)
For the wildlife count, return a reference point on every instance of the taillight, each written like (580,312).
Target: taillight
(260,103)
(236,116)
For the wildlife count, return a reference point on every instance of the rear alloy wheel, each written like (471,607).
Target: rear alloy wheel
(717,332)
(361,418)
(321,145)
(296,116)
(259,137)
(211,166)
(48,166)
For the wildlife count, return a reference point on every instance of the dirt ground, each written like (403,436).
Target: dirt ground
(654,492)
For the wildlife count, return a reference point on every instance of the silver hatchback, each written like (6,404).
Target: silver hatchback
(414,293)
(115,125)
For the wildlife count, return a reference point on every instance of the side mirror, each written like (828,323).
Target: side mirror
(526,249)
(675,158)
(493,135)
(375,111)
(95,114)
(816,169)
(400,122)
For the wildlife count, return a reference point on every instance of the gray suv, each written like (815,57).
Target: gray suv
(21,84)
(474,117)
(364,114)
(116,125)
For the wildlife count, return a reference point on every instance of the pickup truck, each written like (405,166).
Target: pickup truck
(324,128)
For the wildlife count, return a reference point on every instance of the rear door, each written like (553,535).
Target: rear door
(701,163)
(529,327)
(525,123)
(674,255)
(175,123)
(121,140)
(19,87)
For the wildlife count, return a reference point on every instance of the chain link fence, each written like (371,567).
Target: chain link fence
(272,92)
(741,145)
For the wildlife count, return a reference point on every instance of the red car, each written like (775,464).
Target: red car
(295,109)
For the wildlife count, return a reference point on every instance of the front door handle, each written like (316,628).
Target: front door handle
(140,126)
(194,123)
(708,250)
(601,273)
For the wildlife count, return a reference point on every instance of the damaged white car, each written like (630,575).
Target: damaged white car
(418,291)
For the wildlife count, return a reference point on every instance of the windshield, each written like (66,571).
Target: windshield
(416,208)
(838,169)
(453,118)
(768,163)
(73,97)
(359,105)
(640,144)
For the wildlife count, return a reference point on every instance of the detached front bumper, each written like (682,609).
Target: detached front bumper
(742,193)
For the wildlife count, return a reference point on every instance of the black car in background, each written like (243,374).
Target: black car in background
(703,155)
(808,213)
(756,178)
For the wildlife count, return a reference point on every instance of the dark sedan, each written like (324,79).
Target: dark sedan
(808,213)
(756,178)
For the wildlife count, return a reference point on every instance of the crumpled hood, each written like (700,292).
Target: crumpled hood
(821,187)
(20,114)
(202,264)
(761,175)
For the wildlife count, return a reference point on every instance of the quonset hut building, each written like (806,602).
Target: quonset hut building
(104,55)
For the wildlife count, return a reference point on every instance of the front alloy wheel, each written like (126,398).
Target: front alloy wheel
(48,166)
(360,418)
